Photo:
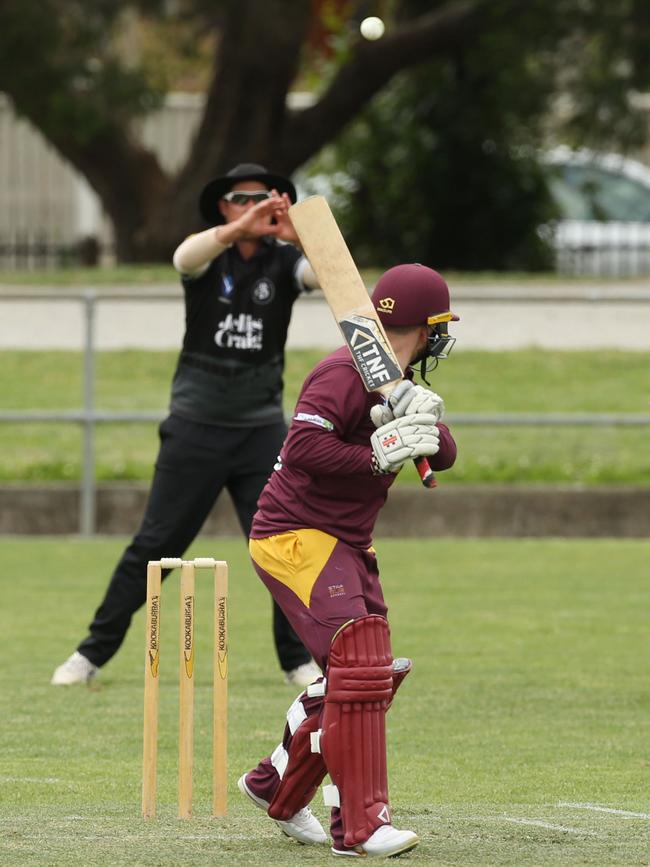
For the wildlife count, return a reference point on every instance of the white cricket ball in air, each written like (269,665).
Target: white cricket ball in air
(372,28)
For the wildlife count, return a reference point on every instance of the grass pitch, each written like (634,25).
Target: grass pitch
(521,737)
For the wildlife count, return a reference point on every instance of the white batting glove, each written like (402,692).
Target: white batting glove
(409,399)
(381,414)
(410,436)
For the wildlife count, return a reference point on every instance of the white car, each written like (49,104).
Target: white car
(604,200)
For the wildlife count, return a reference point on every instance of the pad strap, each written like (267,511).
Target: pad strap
(304,770)
(304,773)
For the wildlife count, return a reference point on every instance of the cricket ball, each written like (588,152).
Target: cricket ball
(372,28)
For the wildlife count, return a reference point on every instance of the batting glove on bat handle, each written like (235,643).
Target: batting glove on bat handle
(382,414)
(409,399)
(411,436)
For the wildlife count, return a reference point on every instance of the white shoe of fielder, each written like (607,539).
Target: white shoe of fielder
(303,675)
(76,669)
(303,826)
(384,843)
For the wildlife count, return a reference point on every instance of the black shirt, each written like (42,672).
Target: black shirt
(237,315)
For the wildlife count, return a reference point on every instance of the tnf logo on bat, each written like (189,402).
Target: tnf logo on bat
(370,352)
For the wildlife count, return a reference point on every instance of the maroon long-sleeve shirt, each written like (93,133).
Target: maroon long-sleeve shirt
(323,478)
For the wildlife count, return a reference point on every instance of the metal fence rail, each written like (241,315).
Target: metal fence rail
(89,417)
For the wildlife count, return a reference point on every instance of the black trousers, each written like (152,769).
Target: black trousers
(195,463)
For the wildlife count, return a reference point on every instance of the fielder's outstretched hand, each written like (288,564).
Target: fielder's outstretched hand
(265,218)
(282,226)
(402,439)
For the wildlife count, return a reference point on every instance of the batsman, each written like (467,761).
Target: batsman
(311,545)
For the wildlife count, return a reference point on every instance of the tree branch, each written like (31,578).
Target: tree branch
(372,65)
(256,61)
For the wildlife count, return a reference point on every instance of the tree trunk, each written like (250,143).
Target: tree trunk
(245,120)
(370,67)
(245,110)
(131,185)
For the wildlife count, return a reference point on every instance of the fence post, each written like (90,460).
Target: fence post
(87,510)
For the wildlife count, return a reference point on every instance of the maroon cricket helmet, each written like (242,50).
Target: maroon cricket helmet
(412,295)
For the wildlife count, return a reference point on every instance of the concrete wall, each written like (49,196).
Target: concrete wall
(461,511)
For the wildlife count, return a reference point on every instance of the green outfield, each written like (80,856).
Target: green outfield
(526,381)
(158,273)
(521,738)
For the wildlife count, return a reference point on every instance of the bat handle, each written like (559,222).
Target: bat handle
(425,472)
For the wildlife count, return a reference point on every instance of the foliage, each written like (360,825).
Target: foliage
(442,165)
(77,82)
(605,64)
(415,180)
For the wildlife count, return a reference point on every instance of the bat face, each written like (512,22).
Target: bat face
(346,295)
(349,301)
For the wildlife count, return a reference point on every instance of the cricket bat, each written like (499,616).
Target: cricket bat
(349,302)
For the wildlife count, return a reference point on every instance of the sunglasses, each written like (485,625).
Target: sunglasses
(243,197)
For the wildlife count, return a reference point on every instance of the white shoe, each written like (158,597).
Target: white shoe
(384,843)
(303,675)
(76,669)
(303,826)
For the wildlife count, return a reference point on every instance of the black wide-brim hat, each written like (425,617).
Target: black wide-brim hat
(212,192)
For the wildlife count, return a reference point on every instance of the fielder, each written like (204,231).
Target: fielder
(226,425)
(311,545)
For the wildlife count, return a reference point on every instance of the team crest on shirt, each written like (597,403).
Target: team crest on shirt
(227,288)
(263,291)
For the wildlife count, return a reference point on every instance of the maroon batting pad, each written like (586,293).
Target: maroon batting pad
(359,688)
(306,770)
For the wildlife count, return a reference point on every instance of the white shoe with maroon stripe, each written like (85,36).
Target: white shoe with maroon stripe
(384,843)
(303,826)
